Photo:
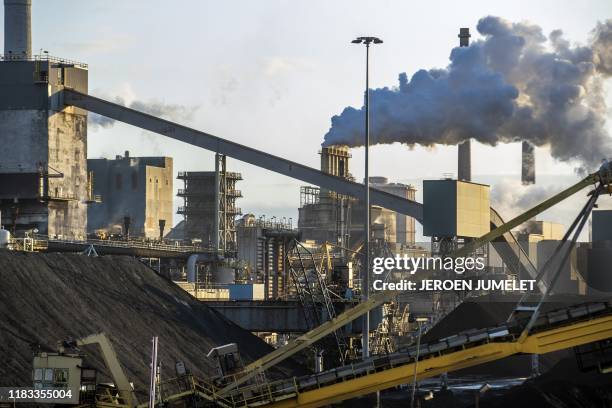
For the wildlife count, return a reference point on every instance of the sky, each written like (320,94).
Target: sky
(270,75)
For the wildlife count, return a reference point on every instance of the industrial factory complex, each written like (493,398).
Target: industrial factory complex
(134,281)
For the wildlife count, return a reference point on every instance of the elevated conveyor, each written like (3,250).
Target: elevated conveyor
(555,330)
(512,254)
(239,152)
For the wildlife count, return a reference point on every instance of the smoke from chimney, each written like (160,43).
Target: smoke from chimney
(514,84)
(173,112)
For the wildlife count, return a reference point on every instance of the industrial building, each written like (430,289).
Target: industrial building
(405,227)
(601,226)
(43,170)
(455,210)
(302,287)
(210,205)
(325,216)
(138,189)
(263,245)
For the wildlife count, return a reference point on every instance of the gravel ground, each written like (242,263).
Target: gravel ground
(50,297)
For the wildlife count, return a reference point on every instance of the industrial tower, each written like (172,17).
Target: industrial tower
(43,144)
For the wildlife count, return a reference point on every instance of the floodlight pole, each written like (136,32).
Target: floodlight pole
(365,275)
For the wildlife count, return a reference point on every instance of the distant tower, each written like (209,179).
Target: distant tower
(464,153)
(464,37)
(528,163)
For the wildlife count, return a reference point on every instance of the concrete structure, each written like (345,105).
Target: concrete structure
(277,316)
(136,187)
(43,143)
(405,227)
(453,208)
(327,216)
(570,280)
(534,232)
(599,256)
(210,206)
(263,246)
(18,29)
(539,239)
(601,225)
(246,291)
(528,163)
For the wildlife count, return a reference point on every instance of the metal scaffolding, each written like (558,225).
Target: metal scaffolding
(210,205)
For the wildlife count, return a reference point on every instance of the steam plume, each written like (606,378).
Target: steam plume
(176,113)
(514,84)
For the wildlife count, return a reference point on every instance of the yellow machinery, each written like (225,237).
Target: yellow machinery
(552,331)
(542,334)
(555,330)
(305,340)
(380,375)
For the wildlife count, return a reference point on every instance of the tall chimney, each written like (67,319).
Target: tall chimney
(464,161)
(464,153)
(528,164)
(18,29)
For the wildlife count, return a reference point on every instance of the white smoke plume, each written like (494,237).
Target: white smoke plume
(511,198)
(513,84)
(173,112)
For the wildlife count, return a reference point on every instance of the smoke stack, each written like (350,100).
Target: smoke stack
(464,157)
(464,37)
(18,29)
(528,164)
(464,161)
(335,161)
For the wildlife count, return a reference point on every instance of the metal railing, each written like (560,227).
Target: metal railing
(41,241)
(42,58)
(207,174)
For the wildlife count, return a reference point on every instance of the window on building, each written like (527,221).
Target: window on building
(118,181)
(134,180)
(50,378)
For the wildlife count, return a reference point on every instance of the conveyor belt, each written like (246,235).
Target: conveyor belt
(553,331)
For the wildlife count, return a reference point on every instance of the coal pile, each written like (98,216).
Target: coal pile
(46,298)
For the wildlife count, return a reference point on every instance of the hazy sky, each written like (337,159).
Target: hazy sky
(270,74)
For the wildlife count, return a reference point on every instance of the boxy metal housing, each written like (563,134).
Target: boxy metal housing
(453,208)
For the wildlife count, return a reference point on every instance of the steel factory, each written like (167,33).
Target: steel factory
(107,301)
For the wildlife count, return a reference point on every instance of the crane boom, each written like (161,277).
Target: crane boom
(112,362)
